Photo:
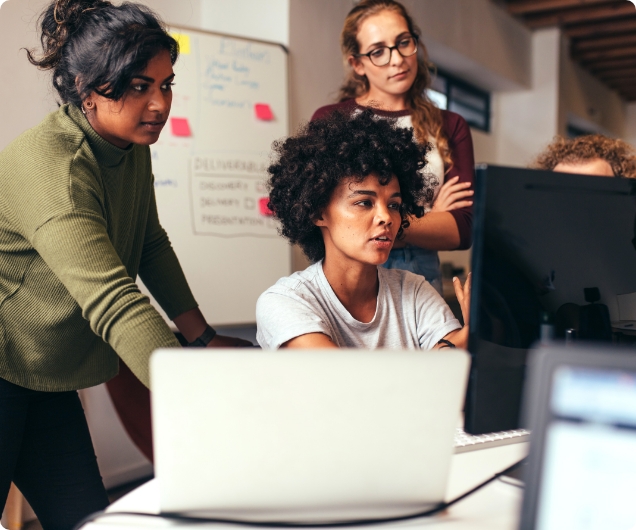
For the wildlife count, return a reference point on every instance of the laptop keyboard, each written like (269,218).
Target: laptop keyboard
(472,442)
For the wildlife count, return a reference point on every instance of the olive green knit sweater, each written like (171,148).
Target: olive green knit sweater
(78,222)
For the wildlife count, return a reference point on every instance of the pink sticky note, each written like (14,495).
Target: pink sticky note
(263,208)
(180,127)
(263,112)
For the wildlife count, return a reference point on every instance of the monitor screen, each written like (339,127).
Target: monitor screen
(589,465)
(551,252)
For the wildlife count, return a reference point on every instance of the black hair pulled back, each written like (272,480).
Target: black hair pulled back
(95,46)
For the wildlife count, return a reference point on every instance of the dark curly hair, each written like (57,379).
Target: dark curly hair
(310,165)
(98,46)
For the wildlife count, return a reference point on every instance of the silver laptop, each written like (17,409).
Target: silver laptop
(581,405)
(304,434)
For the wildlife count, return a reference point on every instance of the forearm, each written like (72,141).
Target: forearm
(310,340)
(163,276)
(191,324)
(459,338)
(434,231)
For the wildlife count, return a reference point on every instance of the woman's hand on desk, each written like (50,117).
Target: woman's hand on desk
(221,341)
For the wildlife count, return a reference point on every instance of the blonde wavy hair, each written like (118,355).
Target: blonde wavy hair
(426,117)
(618,154)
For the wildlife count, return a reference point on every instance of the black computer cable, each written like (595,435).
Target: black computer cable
(512,482)
(179,517)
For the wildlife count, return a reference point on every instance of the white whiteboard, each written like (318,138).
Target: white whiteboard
(210,184)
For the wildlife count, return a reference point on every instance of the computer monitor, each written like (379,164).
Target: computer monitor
(581,406)
(543,243)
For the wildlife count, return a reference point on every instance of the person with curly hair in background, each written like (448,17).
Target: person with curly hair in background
(78,223)
(591,154)
(345,188)
(388,71)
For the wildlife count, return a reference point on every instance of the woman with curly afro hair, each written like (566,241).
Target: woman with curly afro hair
(344,189)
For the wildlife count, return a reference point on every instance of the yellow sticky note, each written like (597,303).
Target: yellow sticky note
(184,42)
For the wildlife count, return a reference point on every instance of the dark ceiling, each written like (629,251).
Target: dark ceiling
(602,35)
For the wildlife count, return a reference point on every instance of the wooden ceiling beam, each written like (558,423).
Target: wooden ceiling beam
(617,41)
(626,83)
(602,35)
(627,96)
(526,7)
(604,65)
(622,82)
(621,87)
(629,73)
(615,9)
(627,78)
(598,29)
(599,55)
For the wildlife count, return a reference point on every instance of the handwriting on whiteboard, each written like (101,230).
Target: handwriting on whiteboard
(231,75)
(225,192)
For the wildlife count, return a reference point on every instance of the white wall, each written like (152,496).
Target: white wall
(587,102)
(180,12)
(256,19)
(315,64)
(26,93)
(525,121)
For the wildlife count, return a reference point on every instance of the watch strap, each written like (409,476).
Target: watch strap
(204,339)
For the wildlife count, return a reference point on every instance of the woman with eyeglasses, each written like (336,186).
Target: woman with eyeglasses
(388,71)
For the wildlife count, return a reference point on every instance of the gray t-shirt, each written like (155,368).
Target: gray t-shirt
(409,314)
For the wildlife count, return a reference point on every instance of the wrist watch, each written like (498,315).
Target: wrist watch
(204,339)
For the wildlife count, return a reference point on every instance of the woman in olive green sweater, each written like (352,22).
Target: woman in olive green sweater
(78,223)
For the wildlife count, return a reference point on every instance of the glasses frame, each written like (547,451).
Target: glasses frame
(390,48)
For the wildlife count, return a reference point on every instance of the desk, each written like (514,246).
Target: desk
(495,507)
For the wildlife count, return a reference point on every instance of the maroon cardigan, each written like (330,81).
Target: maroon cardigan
(460,143)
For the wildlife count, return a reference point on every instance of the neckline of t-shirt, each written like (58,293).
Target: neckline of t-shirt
(344,313)
(382,112)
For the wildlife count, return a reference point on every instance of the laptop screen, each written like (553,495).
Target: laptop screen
(589,465)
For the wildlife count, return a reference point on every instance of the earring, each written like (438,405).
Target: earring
(89,105)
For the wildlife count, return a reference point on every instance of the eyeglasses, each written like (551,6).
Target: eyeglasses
(381,56)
